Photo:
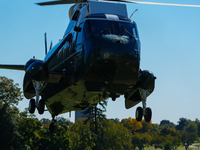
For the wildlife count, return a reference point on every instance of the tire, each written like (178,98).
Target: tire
(31,106)
(41,107)
(148,114)
(113,98)
(139,114)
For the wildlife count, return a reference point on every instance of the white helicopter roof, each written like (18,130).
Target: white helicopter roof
(96,7)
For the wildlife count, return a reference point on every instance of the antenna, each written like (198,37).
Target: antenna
(51,45)
(133,13)
(45,40)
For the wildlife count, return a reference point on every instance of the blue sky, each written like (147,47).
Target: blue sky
(170,40)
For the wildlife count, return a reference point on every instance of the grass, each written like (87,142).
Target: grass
(153,148)
(179,148)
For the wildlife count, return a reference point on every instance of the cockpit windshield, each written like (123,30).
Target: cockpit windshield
(104,27)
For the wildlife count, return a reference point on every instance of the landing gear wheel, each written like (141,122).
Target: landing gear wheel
(32,106)
(139,113)
(148,114)
(52,127)
(113,98)
(41,107)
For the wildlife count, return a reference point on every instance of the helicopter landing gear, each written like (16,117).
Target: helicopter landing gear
(31,106)
(113,96)
(139,113)
(39,104)
(41,107)
(146,112)
(52,126)
(37,86)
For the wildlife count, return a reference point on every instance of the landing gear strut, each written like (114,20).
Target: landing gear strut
(39,104)
(146,112)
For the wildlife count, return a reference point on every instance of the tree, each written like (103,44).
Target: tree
(113,136)
(9,92)
(95,114)
(10,95)
(96,111)
(182,123)
(188,138)
(28,128)
(191,127)
(116,120)
(26,114)
(141,140)
(9,135)
(132,124)
(146,127)
(167,123)
(45,121)
(58,140)
(189,134)
(81,135)
(167,138)
(62,120)
(198,125)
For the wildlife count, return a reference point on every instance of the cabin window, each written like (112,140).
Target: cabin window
(87,29)
(76,15)
(79,35)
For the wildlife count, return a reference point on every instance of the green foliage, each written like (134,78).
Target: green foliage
(116,120)
(62,120)
(132,124)
(58,140)
(96,111)
(191,127)
(146,127)
(26,114)
(9,92)
(113,136)
(188,138)
(81,135)
(141,140)
(10,95)
(45,121)
(167,123)
(9,135)
(182,123)
(167,138)
(21,130)
(28,128)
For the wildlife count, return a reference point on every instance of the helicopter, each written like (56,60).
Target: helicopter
(97,58)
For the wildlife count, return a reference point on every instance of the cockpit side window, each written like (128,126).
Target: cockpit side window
(130,27)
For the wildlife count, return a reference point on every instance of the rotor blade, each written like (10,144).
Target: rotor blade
(13,67)
(59,2)
(155,3)
(128,1)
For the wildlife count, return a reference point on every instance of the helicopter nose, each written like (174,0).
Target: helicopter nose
(111,47)
(117,46)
